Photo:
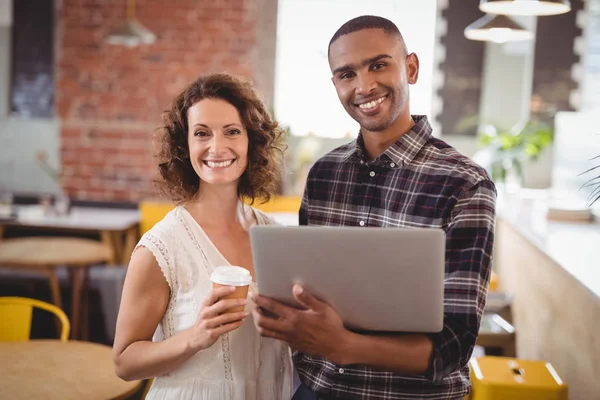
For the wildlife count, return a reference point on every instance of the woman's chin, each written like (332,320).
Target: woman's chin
(220,180)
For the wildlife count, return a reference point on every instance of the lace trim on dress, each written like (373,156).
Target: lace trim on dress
(224,339)
(155,245)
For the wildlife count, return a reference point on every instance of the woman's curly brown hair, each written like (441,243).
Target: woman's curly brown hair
(260,180)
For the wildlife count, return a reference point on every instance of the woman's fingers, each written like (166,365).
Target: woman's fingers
(221,306)
(225,318)
(217,293)
(227,328)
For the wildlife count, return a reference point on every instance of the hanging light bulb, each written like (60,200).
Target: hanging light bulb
(498,29)
(132,33)
(525,7)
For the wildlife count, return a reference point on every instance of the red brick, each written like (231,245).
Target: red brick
(100,85)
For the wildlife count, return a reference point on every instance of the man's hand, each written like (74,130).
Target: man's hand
(316,331)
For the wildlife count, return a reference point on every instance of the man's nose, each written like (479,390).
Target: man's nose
(366,84)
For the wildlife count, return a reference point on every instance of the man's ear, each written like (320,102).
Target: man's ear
(412,68)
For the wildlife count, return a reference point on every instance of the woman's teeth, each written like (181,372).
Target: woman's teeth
(222,164)
(371,104)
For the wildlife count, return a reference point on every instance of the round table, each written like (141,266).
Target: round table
(46,253)
(50,369)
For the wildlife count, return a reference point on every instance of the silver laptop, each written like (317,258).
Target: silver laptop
(377,279)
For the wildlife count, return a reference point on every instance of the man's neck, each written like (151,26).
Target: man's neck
(376,143)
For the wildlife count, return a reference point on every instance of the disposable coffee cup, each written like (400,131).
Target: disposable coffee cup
(232,276)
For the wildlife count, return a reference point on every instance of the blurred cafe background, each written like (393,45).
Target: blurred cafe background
(83,84)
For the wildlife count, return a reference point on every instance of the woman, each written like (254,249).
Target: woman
(218,146)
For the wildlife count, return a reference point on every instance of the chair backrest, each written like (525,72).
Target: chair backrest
(15,318)
(151,213)
(289,204)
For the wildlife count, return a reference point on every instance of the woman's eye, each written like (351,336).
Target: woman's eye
(234,132)
(200,133)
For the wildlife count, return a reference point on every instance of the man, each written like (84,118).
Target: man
(396,174)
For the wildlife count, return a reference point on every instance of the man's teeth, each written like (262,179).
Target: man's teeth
(221,164)
(371,104)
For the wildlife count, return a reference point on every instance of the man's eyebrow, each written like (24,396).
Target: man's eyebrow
(350,67)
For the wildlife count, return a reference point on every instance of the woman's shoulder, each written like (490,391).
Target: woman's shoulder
(168,228)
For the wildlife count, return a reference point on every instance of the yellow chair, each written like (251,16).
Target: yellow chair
(15,318)
(289,204)
(151,213)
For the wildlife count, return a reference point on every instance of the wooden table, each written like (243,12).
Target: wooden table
(44,254)
(50,369)
(118,228)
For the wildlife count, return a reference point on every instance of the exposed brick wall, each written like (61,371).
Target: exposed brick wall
(110,98)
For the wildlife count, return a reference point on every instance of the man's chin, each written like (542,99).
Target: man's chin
(374,126)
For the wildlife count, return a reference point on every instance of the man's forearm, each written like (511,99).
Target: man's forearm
(407,354)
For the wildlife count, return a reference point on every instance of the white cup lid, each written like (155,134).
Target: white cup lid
(231,276)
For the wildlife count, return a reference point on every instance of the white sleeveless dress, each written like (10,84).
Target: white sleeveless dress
(241,365)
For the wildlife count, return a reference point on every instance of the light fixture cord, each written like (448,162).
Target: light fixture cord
(130,9)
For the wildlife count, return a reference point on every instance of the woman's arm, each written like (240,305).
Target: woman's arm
(143,304)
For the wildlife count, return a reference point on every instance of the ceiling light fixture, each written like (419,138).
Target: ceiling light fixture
(132,33)
(525,7)
(498,29)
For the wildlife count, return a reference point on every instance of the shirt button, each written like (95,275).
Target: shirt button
(362,162)
(372,174)
(392,165)
(341,370)
(362,223)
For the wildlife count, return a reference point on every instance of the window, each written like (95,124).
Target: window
(32,78)
(305,99)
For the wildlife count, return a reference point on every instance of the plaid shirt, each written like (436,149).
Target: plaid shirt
(420,181)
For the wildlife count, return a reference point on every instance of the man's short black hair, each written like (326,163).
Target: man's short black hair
(367,22)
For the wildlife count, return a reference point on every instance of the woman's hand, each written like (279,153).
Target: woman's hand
(213,321)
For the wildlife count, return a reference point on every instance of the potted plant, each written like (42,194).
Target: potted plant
(593,183)
(507,149)
(61,204)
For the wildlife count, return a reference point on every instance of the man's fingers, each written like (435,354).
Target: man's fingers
(307,299)
(271,334)
(262,321)
(271,305)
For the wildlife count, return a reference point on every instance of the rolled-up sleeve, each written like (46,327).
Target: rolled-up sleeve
(469,243)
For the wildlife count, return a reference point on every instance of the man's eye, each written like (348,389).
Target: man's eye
(347,75)
(378,66)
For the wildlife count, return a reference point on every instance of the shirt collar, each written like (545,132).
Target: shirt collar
(404,150)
